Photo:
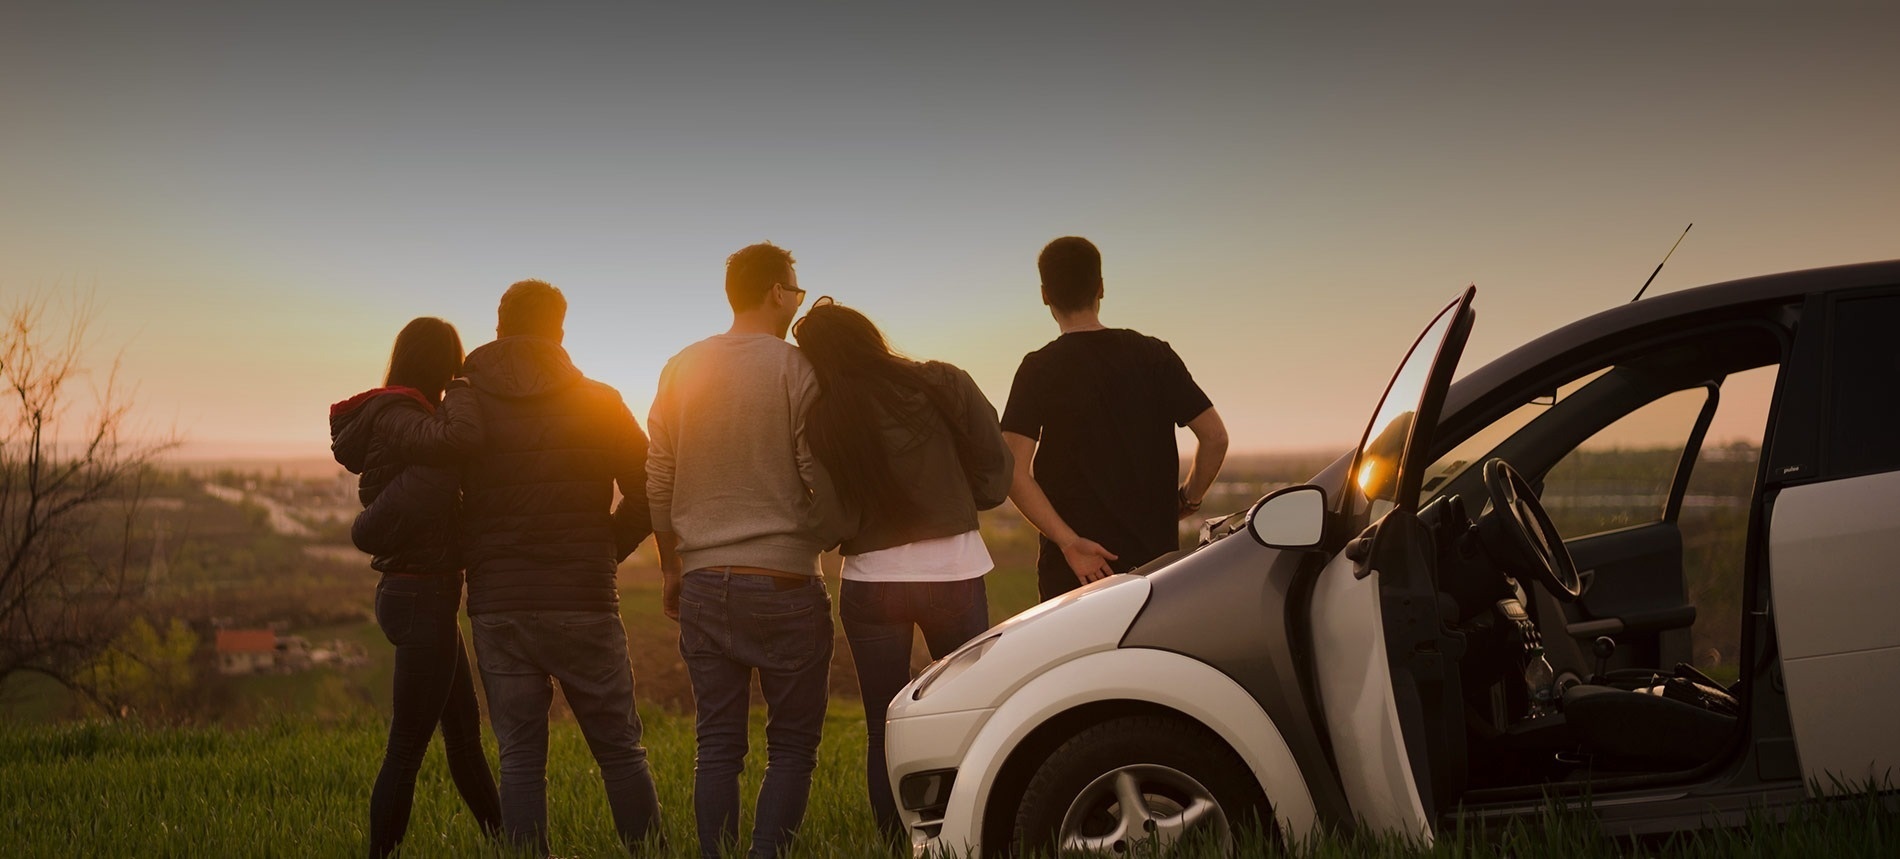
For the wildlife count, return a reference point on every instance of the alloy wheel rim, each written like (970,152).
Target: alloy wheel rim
(1145,808)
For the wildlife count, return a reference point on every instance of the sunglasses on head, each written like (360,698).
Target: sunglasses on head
(823,301)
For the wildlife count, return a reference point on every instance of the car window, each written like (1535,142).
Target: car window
(1379,464)
(1621,475)
(1477,447)
(1863,371)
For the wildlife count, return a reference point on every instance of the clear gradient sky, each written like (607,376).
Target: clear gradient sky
(261,196)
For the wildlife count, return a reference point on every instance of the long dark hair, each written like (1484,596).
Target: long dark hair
(859,379)
(428,354)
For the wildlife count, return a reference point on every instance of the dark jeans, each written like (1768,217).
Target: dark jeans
(878,617)
(519,651)
(432,686)
(730,626)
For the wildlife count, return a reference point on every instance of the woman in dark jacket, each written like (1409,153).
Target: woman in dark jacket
(402,438)
(915,451)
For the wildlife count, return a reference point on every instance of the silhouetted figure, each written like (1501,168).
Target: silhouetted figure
(741,506)
(915,452)
(1091,420)
(542,550)
(401,438)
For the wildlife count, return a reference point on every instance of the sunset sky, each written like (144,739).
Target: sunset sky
(260,197)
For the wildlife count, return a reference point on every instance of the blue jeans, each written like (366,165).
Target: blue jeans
(878,620)
(519,652)
(730,626)
(432,686)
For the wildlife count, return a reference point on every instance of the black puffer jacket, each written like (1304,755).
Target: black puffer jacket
(536,499)
(401,445)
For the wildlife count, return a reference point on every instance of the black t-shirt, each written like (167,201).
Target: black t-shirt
(1103,405)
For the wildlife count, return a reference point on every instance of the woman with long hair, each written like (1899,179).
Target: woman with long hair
(402,438)
(915,451)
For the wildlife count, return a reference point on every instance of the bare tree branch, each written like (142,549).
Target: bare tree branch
(70,492)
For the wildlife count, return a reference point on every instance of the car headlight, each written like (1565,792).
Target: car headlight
(952,665)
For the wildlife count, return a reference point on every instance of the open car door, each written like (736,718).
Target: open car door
(1383,674)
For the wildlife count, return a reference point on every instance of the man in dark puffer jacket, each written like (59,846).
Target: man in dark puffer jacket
(541,549)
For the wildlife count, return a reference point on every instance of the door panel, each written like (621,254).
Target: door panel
(1356,693)
(1633,594)
(1834,568)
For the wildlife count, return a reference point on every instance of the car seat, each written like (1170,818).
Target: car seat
(1678,724)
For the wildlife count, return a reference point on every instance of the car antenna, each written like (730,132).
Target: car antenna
(1665,261)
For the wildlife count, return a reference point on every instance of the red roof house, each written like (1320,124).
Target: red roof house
(246,651)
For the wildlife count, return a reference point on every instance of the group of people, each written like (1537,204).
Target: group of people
(498,469)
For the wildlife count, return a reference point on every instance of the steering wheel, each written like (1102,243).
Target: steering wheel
(1532,541)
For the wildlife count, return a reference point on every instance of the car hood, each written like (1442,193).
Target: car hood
(1083,621)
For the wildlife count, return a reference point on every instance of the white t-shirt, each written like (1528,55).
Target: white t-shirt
(944,559)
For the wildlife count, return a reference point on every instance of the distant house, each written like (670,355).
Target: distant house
(246,651)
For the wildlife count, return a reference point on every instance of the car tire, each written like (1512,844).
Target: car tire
(1193,789)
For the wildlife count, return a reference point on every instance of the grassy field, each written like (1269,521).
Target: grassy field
(296,788)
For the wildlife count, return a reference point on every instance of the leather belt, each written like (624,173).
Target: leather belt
(781,580)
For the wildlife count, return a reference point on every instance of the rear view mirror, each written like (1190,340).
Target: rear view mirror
(1292,518)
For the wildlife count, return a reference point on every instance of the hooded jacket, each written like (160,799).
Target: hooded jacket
(401,444)
(540,529)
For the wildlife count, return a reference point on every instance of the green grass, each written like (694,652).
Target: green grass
(296,788)
(301,789)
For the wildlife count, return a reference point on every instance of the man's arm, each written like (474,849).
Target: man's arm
(668,544)
(632,518)
(659,469)
(1087,559)
(833,520)
(1210,450)
(442,437)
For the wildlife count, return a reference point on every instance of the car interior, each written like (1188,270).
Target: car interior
(1611,606)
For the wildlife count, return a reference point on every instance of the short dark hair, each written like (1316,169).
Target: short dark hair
(1071,269)
(531,307)
(751,272)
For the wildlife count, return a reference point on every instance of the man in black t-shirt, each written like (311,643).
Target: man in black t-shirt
(1095,412)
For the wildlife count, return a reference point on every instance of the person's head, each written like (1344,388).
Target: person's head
(1071,269)
(760,280)
(427,355)
(531,308)
(840,341)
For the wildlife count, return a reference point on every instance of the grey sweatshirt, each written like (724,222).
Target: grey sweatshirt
(728,469)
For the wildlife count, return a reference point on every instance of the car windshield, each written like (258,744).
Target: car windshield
(1476,448)
(1376,469)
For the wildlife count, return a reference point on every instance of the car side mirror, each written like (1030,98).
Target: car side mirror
(1292,518)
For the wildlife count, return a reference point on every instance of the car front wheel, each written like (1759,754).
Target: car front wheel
(1139,784)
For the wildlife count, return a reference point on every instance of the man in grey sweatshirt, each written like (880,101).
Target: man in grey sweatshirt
(741,510)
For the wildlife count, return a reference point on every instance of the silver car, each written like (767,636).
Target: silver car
(1488,601)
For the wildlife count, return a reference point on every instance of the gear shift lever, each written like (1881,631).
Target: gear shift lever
(1604,647)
